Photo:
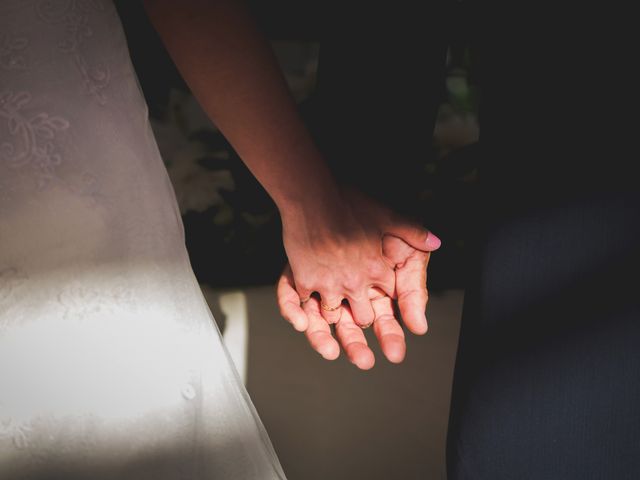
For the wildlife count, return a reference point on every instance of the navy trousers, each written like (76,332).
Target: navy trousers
(547,378)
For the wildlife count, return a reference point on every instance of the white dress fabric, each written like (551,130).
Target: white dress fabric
(110,363)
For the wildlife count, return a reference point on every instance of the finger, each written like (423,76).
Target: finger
(319,332)
(289,301)
(388,330)
(303,292)
(414,234)
(385,281)
(376,293)
(411,285)
(396,250)
(361,310)
(330,307)
(353,341)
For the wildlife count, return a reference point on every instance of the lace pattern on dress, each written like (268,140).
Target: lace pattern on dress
(11,49)
(32,138)
(74,14)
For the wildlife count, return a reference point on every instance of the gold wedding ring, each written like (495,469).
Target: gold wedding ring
(327,308)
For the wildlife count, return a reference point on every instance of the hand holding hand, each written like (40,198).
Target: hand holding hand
(410,272)
(339,255)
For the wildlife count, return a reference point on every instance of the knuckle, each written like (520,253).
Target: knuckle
(353,281)
(325,284)
(300,284)
(305,284)
(377,269)
(358,296)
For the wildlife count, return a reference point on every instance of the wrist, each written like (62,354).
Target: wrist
(316,218)
(322,212)
(318,199)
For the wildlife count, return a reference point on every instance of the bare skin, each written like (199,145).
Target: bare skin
(412,296)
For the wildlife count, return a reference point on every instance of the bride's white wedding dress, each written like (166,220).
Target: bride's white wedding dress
(110,363)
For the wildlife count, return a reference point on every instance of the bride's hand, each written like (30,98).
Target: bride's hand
(411,266)
(336,252)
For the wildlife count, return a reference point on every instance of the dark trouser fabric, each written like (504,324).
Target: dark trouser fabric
(547,379)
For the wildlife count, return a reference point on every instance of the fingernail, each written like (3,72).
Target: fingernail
(433,242)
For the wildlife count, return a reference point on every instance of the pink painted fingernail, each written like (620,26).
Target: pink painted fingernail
(433,242)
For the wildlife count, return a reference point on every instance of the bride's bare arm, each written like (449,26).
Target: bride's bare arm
(232,71)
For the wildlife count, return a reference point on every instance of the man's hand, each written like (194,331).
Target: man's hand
(411,292)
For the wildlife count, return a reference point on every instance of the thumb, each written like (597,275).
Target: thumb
(396,250)
(414,234)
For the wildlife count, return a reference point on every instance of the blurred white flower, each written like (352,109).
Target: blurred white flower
(196,187)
